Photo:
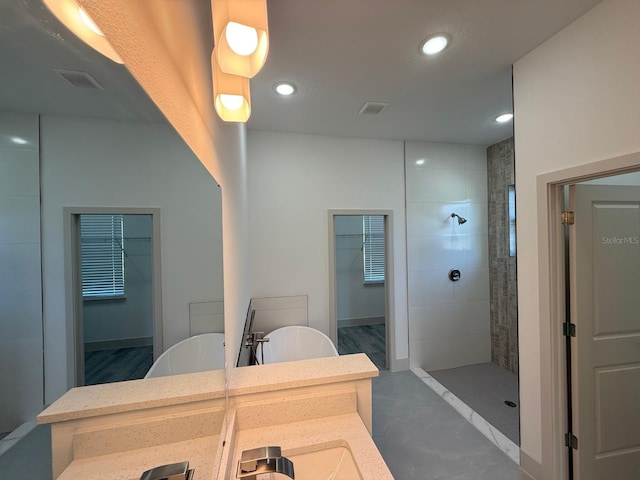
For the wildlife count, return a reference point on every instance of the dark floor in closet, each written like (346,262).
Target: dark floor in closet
(369,339)
(117,365)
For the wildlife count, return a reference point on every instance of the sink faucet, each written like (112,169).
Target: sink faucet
(264,460)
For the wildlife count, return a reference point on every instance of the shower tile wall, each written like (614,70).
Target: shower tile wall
(21,368)
(448,321)
(504,287)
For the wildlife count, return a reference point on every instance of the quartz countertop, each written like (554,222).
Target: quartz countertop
(199,452)
(301,373)
(302,437)
(91,401)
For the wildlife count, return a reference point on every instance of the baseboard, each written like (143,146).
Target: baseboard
(122,343)
(360,322)
(399,364)
(529,468)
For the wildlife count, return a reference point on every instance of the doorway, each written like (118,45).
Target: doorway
(595,259)
(114,260)
(359,281)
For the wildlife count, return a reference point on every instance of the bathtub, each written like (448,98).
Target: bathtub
(295,343)
(195,354)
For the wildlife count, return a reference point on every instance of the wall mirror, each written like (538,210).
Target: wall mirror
(93,182)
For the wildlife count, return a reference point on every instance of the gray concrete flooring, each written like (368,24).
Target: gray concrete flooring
(30,458)
(485,387)
(422,438)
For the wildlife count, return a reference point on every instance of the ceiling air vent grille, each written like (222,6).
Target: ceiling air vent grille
(373,108)
(79,79)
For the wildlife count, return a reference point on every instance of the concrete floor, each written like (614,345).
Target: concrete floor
(485,387)
(422,438)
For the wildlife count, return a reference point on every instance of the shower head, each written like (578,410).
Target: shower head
(460,219)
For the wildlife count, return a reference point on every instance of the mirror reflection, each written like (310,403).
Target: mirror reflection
(110,227)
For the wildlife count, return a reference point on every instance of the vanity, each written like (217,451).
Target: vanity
(318,411)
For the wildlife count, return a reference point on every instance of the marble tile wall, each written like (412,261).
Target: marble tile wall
(502,267)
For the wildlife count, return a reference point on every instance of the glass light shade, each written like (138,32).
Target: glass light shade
(69,14)
(231,102)
(231,95)
(241,32)
(242,39)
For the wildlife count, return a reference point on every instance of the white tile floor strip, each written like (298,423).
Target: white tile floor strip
(484,427)
(10,440)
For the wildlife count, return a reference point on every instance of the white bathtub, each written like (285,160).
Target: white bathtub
(295,343)
(195,354)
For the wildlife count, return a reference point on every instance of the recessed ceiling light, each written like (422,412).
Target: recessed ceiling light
(284,89)
(435,44)
(420,162)
(19,140)
(505,117)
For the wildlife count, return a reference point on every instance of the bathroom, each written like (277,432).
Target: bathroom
(238,226)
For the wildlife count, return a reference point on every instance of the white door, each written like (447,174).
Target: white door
(605,306)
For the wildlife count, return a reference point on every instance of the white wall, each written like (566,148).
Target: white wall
(449,322)
(576,100)
(21,371)
(129,318)
(293,181)
(89,163)
(356,302)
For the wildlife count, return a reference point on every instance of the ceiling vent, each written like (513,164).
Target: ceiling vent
(373,108)
(79,79)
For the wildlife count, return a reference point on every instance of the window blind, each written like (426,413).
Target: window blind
(102,255)
(373,240)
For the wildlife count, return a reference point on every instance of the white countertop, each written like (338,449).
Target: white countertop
(95,400)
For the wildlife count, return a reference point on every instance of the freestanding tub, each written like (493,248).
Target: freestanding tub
(195,354)
(295,343)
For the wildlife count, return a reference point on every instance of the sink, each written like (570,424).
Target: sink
(334,463)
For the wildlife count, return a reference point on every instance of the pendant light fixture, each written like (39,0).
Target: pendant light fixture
(76,19)
(241,32)
(231,96)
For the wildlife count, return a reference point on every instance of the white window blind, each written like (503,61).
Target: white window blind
(373,240)
(102,255)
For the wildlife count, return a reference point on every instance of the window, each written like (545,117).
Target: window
(512,220)
(373,248)
(102,256)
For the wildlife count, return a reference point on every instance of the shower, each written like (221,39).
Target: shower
(460,219)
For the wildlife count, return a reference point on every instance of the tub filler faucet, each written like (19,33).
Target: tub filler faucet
(264,460)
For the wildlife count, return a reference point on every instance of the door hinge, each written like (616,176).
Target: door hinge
(569,329)
(571,441)
(567,218)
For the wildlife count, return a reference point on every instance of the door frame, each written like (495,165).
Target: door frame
(552,301)
(73,283)
(388,281)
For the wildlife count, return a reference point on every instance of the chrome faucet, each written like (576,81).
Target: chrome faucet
(264,460)
(173,471)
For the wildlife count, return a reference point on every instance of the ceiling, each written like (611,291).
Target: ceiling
(343,53)
(339,54)
(33,43)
